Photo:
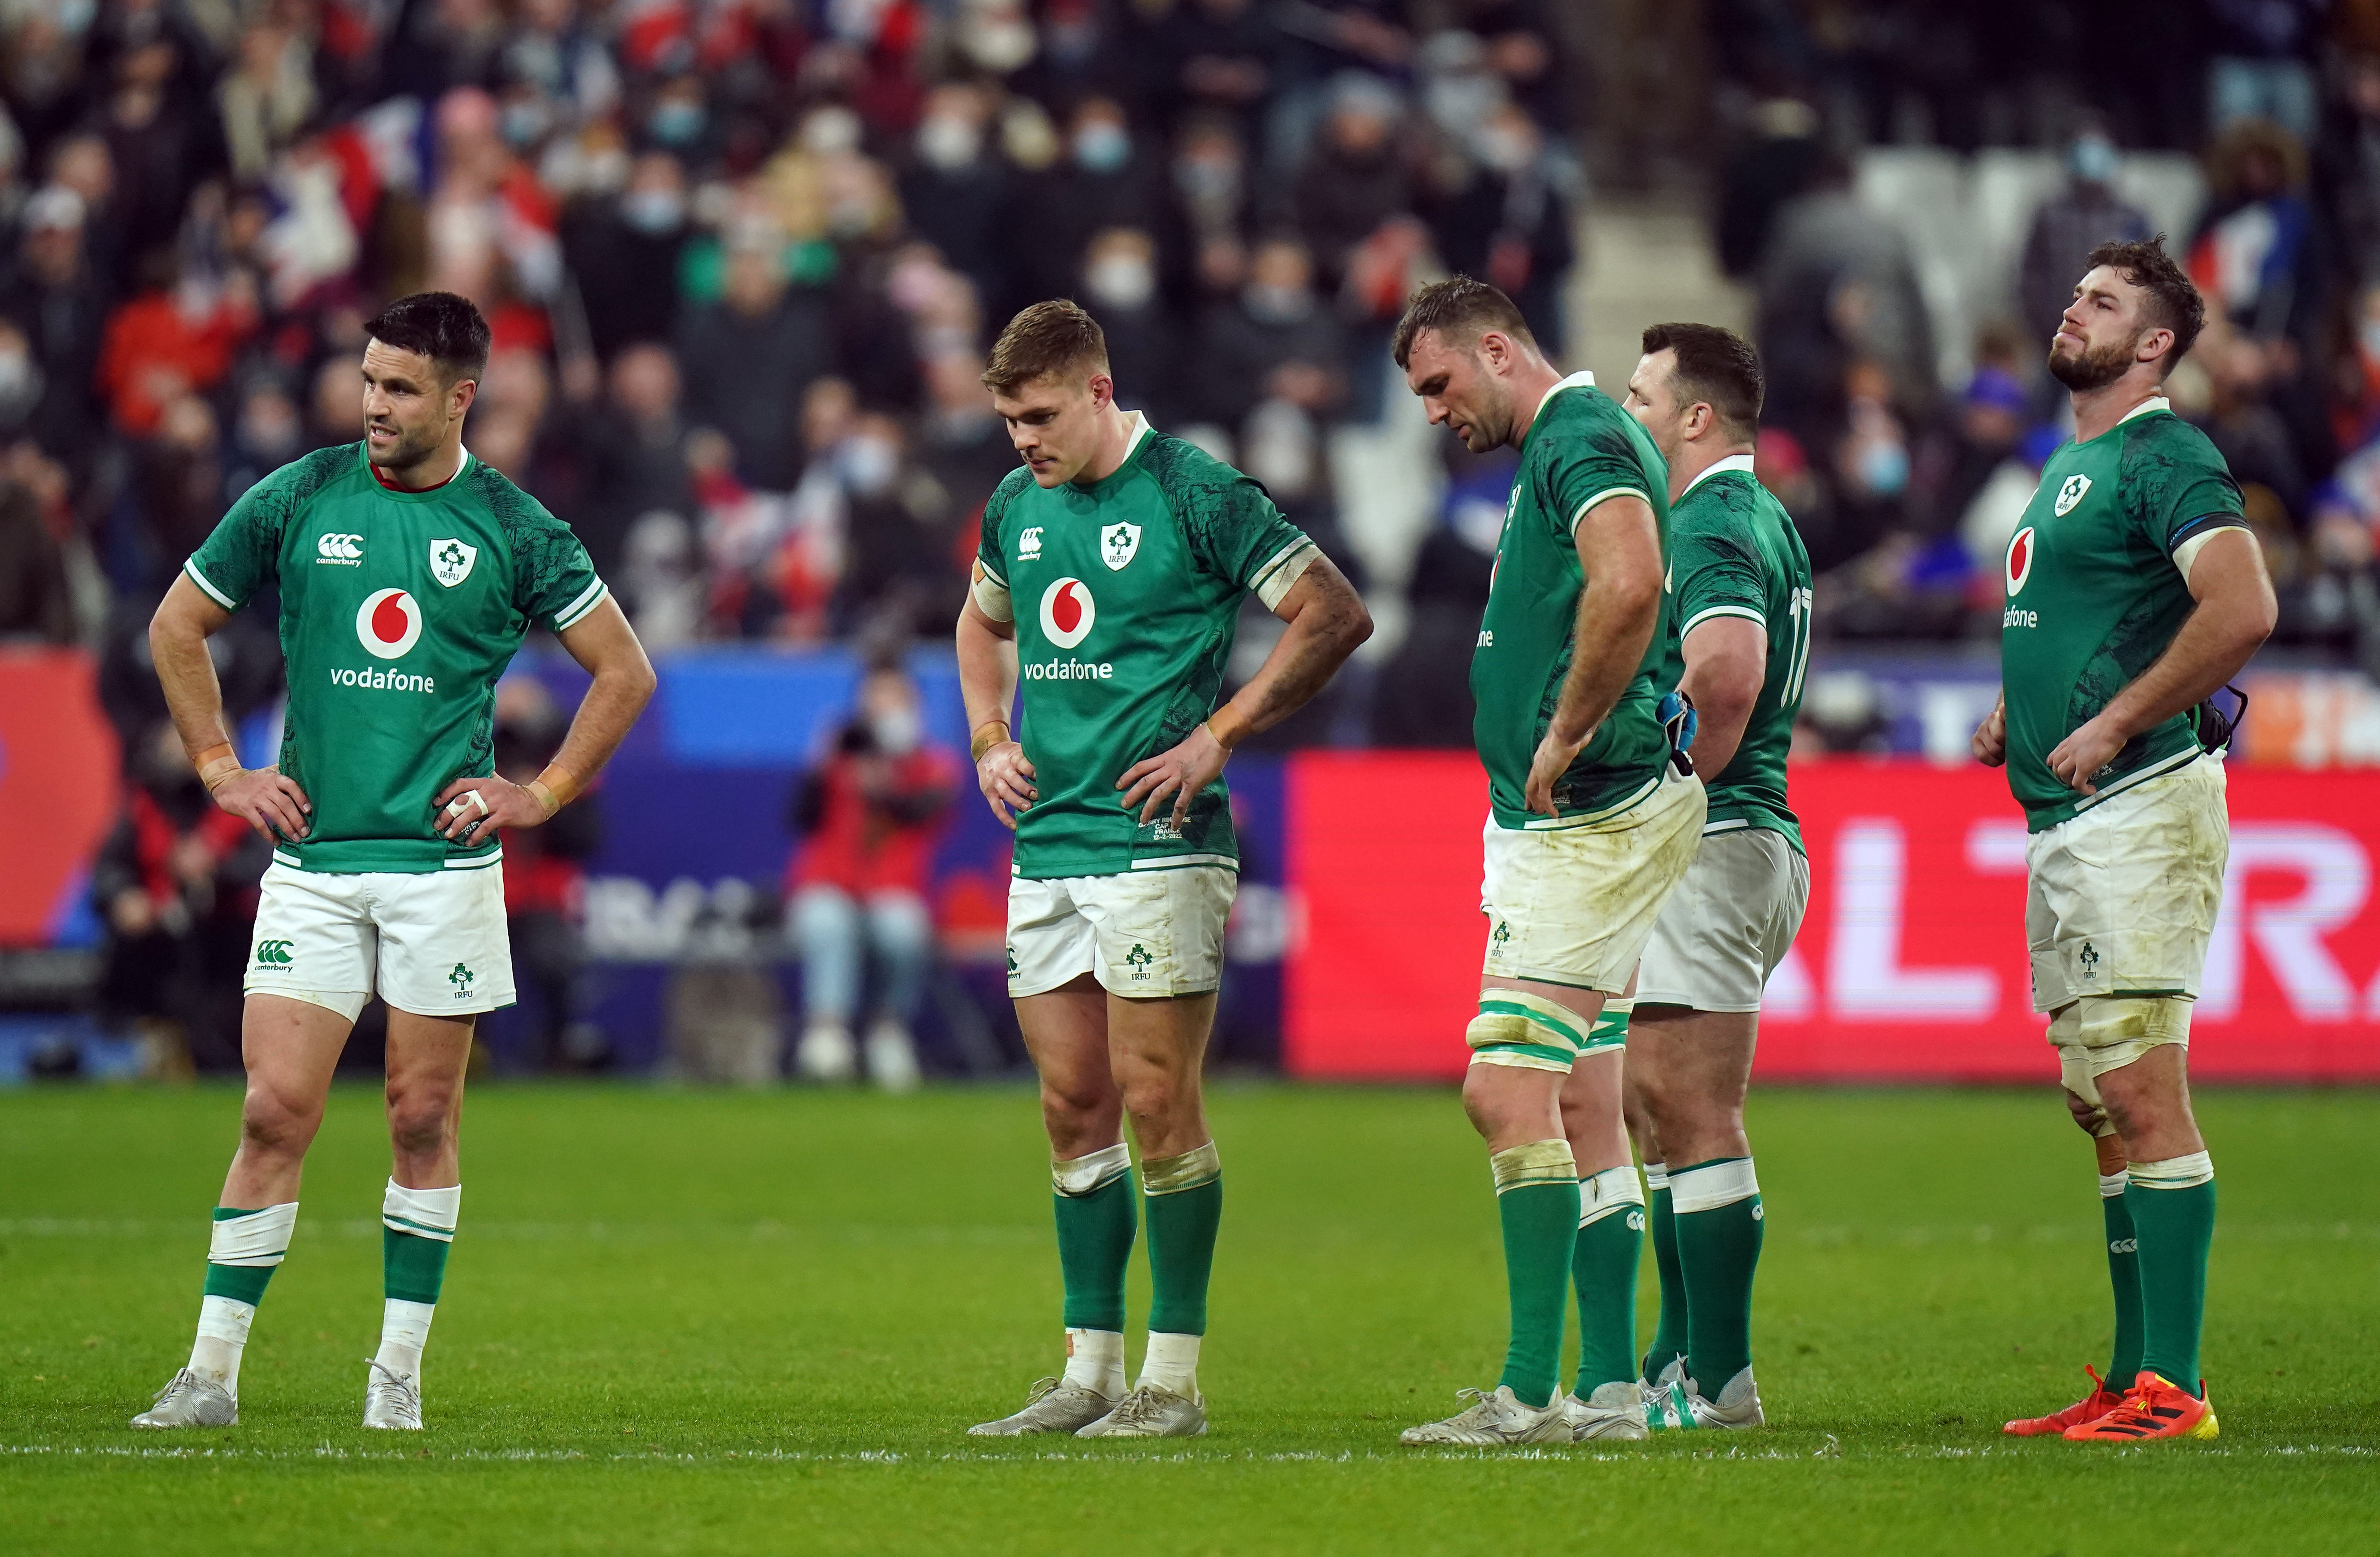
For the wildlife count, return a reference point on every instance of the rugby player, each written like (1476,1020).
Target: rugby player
(1593,820)
(1110,577)
(2134,591)
(1739,646)
(407,573)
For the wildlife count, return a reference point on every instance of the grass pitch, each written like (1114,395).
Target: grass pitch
(684,1321)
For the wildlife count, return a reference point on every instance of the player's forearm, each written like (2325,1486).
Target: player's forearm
(605,715)
(1616,619)
(2216,643)
(987,670)
(1327,625)
(178,646)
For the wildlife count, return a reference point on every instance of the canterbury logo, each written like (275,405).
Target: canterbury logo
(2123,1246)
(340,548)
(272,953)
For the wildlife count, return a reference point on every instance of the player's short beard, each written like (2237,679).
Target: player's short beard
(2094,368)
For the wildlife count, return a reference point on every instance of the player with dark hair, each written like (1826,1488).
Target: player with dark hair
(1593,818)
(1108,580)
(1739,647)
(407,574)
(2134,591)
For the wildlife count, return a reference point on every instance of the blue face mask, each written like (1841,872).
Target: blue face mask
(2092,160)
(1884,469)
(676,123)
(1103,147)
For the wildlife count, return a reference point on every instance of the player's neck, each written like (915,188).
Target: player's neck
(1696,458)
(1532,382)
(436,469)
(1115,442)
(2098,410)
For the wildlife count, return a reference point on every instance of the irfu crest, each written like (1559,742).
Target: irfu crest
(451,559)
(1118,543)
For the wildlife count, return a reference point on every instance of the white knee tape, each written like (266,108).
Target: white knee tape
(1707,1188)
(425,1213)
(1092,1172)
(1600,1194)
(261,1238)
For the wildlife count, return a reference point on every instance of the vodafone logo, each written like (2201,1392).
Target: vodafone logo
(1066,612)
(2020,559)
(389,622)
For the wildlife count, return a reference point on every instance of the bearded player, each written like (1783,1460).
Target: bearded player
(2136,590)
(1593,818)
(1737,651)
(1110,576)
(407,572)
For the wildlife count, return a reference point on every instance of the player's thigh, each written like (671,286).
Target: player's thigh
(290,1048)
(1051,945)
(1574,906)
(2122,896)
(1727,923)
(1158,934)
(427,1059)
(445,948)
(314,941)
(1065,1034)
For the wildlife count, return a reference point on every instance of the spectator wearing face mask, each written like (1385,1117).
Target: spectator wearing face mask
(1120,288)
(953,186)
(2069,224)
(58,304)
(1507,221)
(749,358)
(1276,337)
(1099,185)
(1353,179)
(624,253)
(867,818)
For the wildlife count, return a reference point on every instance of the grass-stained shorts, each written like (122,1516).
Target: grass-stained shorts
(433,944)
(1146,934)
(1731,920)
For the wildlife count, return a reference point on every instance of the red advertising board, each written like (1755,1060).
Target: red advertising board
(1911,963)
(57,786)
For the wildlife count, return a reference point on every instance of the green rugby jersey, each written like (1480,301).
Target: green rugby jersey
(2096,589)
(398,612)
(1733,552)
(1125,592)
(1581,448)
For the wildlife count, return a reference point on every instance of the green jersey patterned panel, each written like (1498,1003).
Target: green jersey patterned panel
(1581,448)
(399,611)
(1733,552)
(2094,595)
(1125,592)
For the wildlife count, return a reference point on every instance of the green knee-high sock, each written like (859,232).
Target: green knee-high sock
(1536,1200)
(1096,1221)
(2124,1275)
(1186,1206)
(1720,1218)
(1669,1328)
(1603,1267)
(2172,1204)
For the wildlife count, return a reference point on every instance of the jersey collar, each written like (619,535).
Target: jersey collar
(1138,421)
(2154,402)
(1732,462)
(1580,379)
(403,494)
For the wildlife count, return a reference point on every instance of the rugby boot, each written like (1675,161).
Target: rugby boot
(1050,1405)
(1737,1405)
(1494,1419)
(2090,1408)
(1669,1403)
(1616,1410)
(2153,1408)
(391,1399)
(1151,1411)
(190,1399)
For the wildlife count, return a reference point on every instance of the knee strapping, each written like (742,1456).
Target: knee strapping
(2099,1022)
(1613,1189)
(1091,1173)
(1537,1162)
(1514,1027)
(1193,1169)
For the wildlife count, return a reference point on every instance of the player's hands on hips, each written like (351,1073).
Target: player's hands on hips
(266,800)
(1553,759)
(1005,776)
(2084,753)
(1181,773)
(470,810)
(1990,740)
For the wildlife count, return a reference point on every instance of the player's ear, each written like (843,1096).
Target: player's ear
(1102,392)
(2154,344)
(459,398)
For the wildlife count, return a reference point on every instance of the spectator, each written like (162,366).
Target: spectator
(60,308)
(1507,221)
(2346,162)
(1353,180)
(626,252)
(868,816)
(963,450)
(955,187)
(34,600)
(176,338)
(631,454)
(1423,696)
(1205,229)
(750,357)
(1276,337)
(2069,225)
(2262,68)
(1101,185)
(1120,285)
(175,885)
(545,878)
(2256,255)
(1777,160)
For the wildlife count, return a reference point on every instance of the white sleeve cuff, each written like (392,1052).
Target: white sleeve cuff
(190,566)
(575,611)
(1281,572)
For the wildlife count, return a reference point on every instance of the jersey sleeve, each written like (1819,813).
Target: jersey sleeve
(2176,490)
(1718,570)
(555,583)
(988,583)
(243,554)
(1585,469)
(1236,534)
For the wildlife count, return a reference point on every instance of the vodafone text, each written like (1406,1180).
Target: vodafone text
(1069,670)
(385,681)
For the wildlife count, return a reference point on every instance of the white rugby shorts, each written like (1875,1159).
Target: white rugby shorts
(2121,899)
(1573,905)
(1729,923)
(433,944)
(1145,934)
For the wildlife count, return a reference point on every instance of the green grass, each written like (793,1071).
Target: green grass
(682,1322)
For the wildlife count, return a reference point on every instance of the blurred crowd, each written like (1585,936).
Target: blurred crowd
(1906,482)
(742,258)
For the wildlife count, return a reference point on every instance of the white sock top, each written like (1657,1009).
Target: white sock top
(2174,1172)
(1712,1186)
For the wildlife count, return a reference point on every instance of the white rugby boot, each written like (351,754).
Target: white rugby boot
(1050,1405)
(1494,1419)
(826,1052)
(1668,1405)
(1151,1411)
(190,1399)
(1738,1405)
(891,1058)
(391,1399)
(1615,1411)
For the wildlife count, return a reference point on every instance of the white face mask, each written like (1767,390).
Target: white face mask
(897,732)
(21,384)
(868,465)
(1122,281)
(653,212)
(949,141)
